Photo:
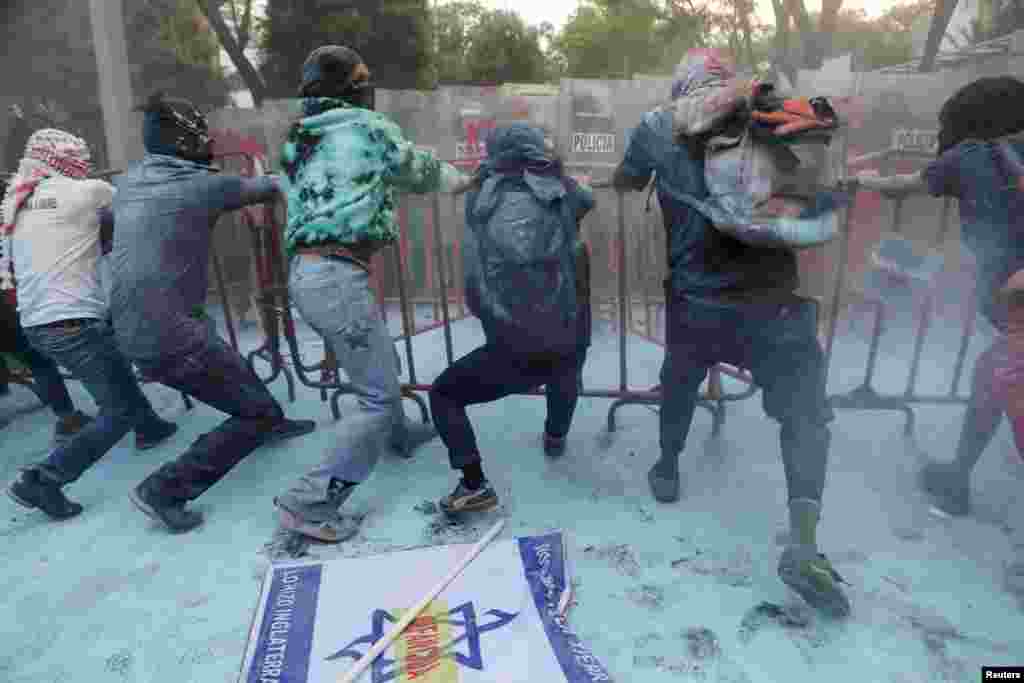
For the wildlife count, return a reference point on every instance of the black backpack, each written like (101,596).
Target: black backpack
(522,282)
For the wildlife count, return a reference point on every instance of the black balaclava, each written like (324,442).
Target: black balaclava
(327,72)
(175,127)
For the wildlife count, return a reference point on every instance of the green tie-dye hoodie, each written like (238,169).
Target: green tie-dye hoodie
(342,167)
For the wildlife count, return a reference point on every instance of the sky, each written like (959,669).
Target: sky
(558,11)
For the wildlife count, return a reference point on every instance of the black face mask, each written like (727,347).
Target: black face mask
(185,128)
(362,95)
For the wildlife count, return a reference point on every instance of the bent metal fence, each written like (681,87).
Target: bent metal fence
(438,259)
(897,262)
(635,304)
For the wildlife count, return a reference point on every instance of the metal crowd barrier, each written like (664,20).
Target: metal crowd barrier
(276,313)
(865,396)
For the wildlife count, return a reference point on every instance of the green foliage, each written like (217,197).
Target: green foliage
(393,37)
(162,67)
(617,38)
(884,41)
(185,32)
(477,44)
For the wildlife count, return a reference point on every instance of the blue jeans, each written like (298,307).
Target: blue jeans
(490,373)
(46,375)
(217,375)
(335,298)
(88,350)
(49,383)
(778,344)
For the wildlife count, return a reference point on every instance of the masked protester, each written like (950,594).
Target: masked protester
(734,303)
(164,214)
(981,145)
(344,163)
(51,212)
(521,282)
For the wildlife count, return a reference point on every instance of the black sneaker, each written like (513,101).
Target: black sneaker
(948,487)
(465,499)
(33,491)
(289,429)
(554,447)
(68,426)
(172,515)
(159,434)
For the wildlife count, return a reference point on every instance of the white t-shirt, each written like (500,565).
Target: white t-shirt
(56,250)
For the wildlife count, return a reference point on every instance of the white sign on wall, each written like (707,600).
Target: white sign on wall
(593,143)
(467,150)
(915,140)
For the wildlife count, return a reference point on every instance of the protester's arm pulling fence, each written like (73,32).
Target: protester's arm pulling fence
(894,185)
(239,191)
(941,178)
(638,164)
(419,171)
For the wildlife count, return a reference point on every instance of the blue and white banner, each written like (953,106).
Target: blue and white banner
(501,620)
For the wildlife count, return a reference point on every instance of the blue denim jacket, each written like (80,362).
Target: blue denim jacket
(164,214)
(701,259)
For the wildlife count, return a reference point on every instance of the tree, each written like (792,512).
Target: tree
(161,65)
(477,44)
(617,38)
(393,36)
(880,42)
(187,32)
(936,32)
(235,37)
(454,24)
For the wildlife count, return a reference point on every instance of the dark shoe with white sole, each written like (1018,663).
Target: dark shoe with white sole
(466,499)
(34,491)
(173,515)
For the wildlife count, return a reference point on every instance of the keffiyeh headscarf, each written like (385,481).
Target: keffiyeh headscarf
(49,152)
(700,66)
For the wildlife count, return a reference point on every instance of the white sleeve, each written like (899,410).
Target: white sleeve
(97,194)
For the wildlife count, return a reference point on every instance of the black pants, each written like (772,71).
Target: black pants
(490,373)
(219,377)
(778,344)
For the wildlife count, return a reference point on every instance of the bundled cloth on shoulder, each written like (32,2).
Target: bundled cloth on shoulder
(760,191)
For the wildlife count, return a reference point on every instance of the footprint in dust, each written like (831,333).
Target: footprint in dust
(769,614)
(119,663)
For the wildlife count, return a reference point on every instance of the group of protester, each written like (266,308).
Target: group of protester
(730,292)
